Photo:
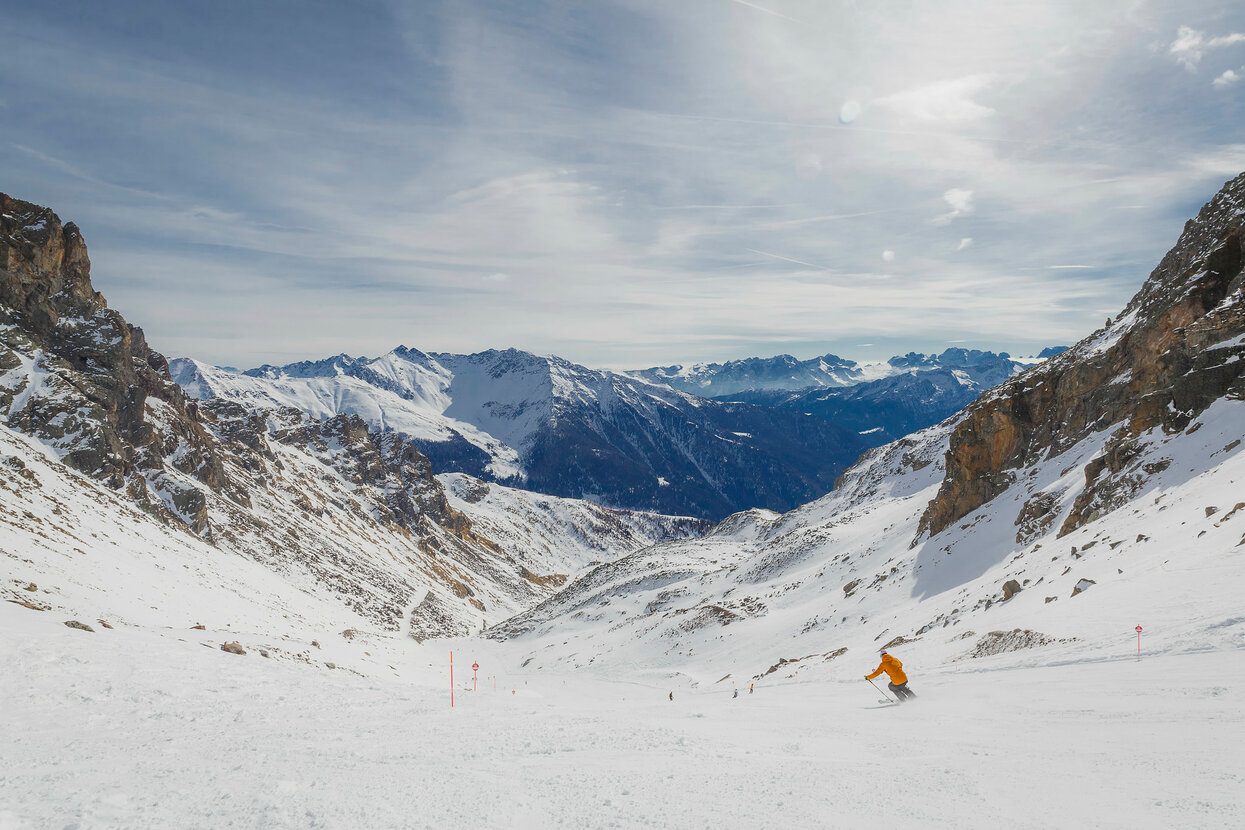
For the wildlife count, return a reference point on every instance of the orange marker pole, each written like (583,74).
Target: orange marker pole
(451,680)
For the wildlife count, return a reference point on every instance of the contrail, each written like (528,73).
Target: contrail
(788,259)
(767,11)
(811,219)
(718,207)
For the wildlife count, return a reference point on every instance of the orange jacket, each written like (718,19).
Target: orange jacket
(893,669)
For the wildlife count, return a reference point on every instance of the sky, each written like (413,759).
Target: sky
(624,183)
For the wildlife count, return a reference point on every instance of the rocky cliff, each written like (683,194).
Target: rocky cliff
(1175,349)
(90,373)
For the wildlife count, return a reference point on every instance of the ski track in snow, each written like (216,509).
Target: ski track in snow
(142,727)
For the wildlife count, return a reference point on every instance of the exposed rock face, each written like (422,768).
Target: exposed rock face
(94,372)
(1176,348)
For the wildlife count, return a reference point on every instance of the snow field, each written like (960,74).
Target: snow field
(142,727)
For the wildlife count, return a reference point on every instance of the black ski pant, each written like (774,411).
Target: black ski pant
(901,690)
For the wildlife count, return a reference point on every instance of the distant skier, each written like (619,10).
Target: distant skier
(752,688)
(899,680)
(736,694)
(672,697)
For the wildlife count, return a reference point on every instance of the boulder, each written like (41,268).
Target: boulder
(1082,586)
(81,626)
(1010,588)
(233,648)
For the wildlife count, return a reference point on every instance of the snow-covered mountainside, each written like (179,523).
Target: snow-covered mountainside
(920,391)
(328,508)
(1100,490)
(554,427)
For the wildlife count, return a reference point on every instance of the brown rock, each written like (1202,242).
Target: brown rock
(233,648)
(81,626)
(1082,586)
(29,605)
(1010,588)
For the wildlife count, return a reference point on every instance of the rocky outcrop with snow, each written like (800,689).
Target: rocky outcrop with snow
(1176,348)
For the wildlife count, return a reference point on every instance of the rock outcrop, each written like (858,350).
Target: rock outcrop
(91,375)
(1176,348)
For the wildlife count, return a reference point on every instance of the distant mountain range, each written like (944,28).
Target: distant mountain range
(555,427)
(921,390)
(634,440)
(786,373)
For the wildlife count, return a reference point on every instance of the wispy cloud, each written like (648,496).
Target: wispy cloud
(1191,45)
(961,203)
(655,181)
(948,102)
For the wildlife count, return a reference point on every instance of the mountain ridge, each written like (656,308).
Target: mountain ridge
(553,426)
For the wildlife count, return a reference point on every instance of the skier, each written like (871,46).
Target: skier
(672,697)
(899,680)
(736,694)
(751,688)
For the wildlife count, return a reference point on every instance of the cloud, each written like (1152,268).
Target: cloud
(1229,77)
(1218,162)
(961,203)
(950,102)
(1191,45)
(888,256)
(964,243)
(657,183)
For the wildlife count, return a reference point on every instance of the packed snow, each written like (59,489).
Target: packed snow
(145,727)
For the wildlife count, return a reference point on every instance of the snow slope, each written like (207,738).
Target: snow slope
(143,727)
(843,573)
(310,539)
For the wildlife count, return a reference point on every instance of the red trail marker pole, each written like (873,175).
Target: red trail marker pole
(451,680)
(1138,629)
(475,667)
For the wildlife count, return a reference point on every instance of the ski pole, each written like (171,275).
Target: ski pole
(882,693)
